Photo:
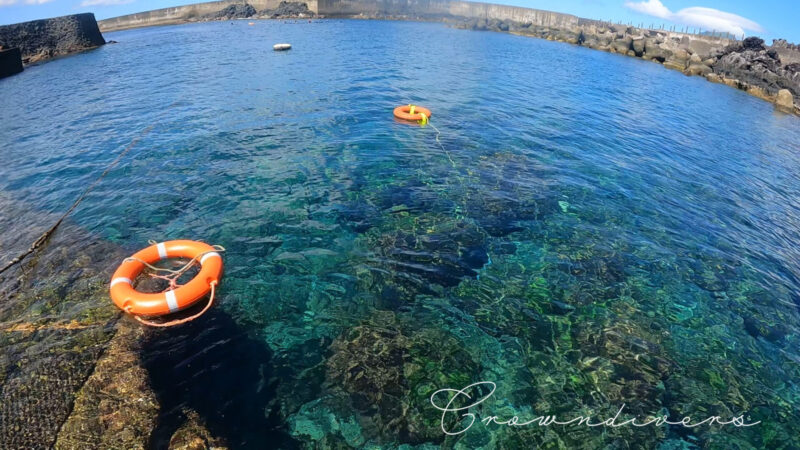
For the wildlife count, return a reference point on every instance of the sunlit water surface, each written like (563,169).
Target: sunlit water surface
(593,230)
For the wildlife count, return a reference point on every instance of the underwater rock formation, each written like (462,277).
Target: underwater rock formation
(387,374)
(443,257)
(39,40)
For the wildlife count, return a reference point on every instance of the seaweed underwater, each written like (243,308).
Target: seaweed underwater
(564,311)
(355,304)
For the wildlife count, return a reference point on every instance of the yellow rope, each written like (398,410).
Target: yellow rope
(438,133)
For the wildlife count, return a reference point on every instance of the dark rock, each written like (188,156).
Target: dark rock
(10,62)
(236,11)
(42,39)
(444,257)
(505,248)
(474,257)
(561,308)
(753,43)
(759,328)
(753,65)
(287,10)
(499,226)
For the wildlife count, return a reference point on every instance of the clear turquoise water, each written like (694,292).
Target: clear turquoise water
(595,231)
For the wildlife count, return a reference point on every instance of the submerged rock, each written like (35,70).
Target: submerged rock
(444,257)
(376,368)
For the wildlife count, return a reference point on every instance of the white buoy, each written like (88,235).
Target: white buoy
(281,47)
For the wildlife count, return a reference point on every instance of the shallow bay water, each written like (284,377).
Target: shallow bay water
(589,231)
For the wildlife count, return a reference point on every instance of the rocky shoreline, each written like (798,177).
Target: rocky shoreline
(771,72)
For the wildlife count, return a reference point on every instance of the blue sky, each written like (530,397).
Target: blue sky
(765,18)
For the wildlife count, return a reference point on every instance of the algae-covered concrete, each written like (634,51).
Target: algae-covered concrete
(71,371)
(55,322)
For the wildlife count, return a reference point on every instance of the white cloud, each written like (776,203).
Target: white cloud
(27,2)
(697,16)
(103,2)
(651,8)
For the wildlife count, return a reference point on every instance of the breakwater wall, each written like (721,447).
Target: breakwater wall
(410,9)
(432,9)
(42,39)
(182,14)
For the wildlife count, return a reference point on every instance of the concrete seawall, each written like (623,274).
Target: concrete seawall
(443,9)
(183,14)
(423,9)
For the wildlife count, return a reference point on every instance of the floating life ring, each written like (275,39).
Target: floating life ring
(412,112)
(138,303)
(281,47)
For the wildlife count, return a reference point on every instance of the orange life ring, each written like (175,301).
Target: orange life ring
(412,112)
(138,303)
